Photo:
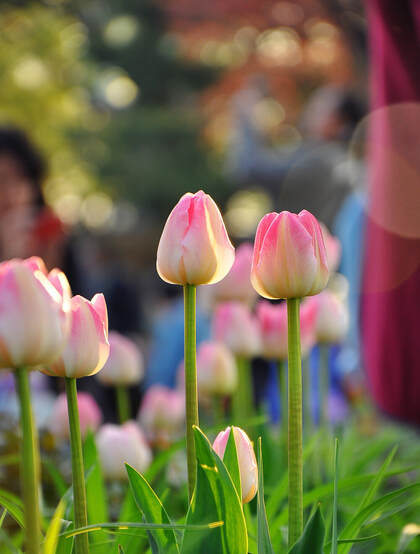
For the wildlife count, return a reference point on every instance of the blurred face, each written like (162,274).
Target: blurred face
(16,189)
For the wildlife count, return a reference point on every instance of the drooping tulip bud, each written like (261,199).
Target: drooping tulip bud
(33,315)
(332,320)
(162,415)
(124,365)
(90,415)
(121,444)
(194,247)
(87,347)
(332,248)
(289,256)
(236,286)
(248,468)
(235,326)
(217,373)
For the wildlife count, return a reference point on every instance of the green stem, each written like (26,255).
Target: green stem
(123,403)
(307,404)
(282,379)
(191,401)
(295,423)
(29,469)
(324,384)
(79,489)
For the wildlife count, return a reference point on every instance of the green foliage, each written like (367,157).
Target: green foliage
(263,533)
(312,540)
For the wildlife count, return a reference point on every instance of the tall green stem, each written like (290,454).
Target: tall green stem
(123,403)
(282,380)
(29,468)
(307,404)
(295,423)
(191,402)
(79,489)
(324,383)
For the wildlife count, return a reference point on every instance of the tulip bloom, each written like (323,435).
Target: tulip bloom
(87,347)
(332,321)
(289,260)
(236,286)
(162,415)
(194,247)
(216,369)
(333,249)
(272,319)
(248,468)
(90,415)
(124,365)
(33,314)
(234,325)
(121,444)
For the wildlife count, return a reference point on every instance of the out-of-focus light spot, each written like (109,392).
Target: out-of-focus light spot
(245,37)
(280,46)
(411,529)
(68,208)
(339,285)
(73,36)
(287,13)
(31,73)
(244,210)
(123,219)
(121,30)
(96,210)
(222,54)
(268,113)
(322,50)
(316,28)
(121,91)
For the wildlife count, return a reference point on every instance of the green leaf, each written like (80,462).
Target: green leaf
(263,531)
(312,539)
(136,540)
(230,459)
(353,527)
(215,499)
(13,505)
(51,539)
(95,486)
(334,542)
(153,511)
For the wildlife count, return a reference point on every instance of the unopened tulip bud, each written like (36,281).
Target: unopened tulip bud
(124,365)
(289,256)
(332,248)
(162,415)
(332,320)
(121,444)
(216,369)
(87,347)
(248,468)
(33,315)
(90,415)
(235,326)
(194,247)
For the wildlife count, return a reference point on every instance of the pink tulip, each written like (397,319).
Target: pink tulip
(248,468)
(333,249)
(34,315)
(87,347)
(121,444)
(216,369)
(194,247)
(289,256)
(236,285)
(124,365)
(162,415)
(332,321)
(90,415)
(235,326)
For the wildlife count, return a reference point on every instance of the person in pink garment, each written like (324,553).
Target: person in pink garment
(390,302)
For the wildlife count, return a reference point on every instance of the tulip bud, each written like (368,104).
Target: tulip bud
(236,286)
(162,415)
(87,346)
(272,319)
(332,321)
(248,468)
(33,315)
(121,444)
(332,248)
(289,256)
(90,416)
(124,365)
(234,325)
(216,369)
(194,247)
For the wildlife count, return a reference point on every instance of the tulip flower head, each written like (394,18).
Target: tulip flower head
(235,326)
(34,315)
(124,365)
(248,468)
(289,260)
(87,347)
(272,319)
(90,415)
(162,415)
(194,247)
(216,369)
(332,320)
(121,444)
